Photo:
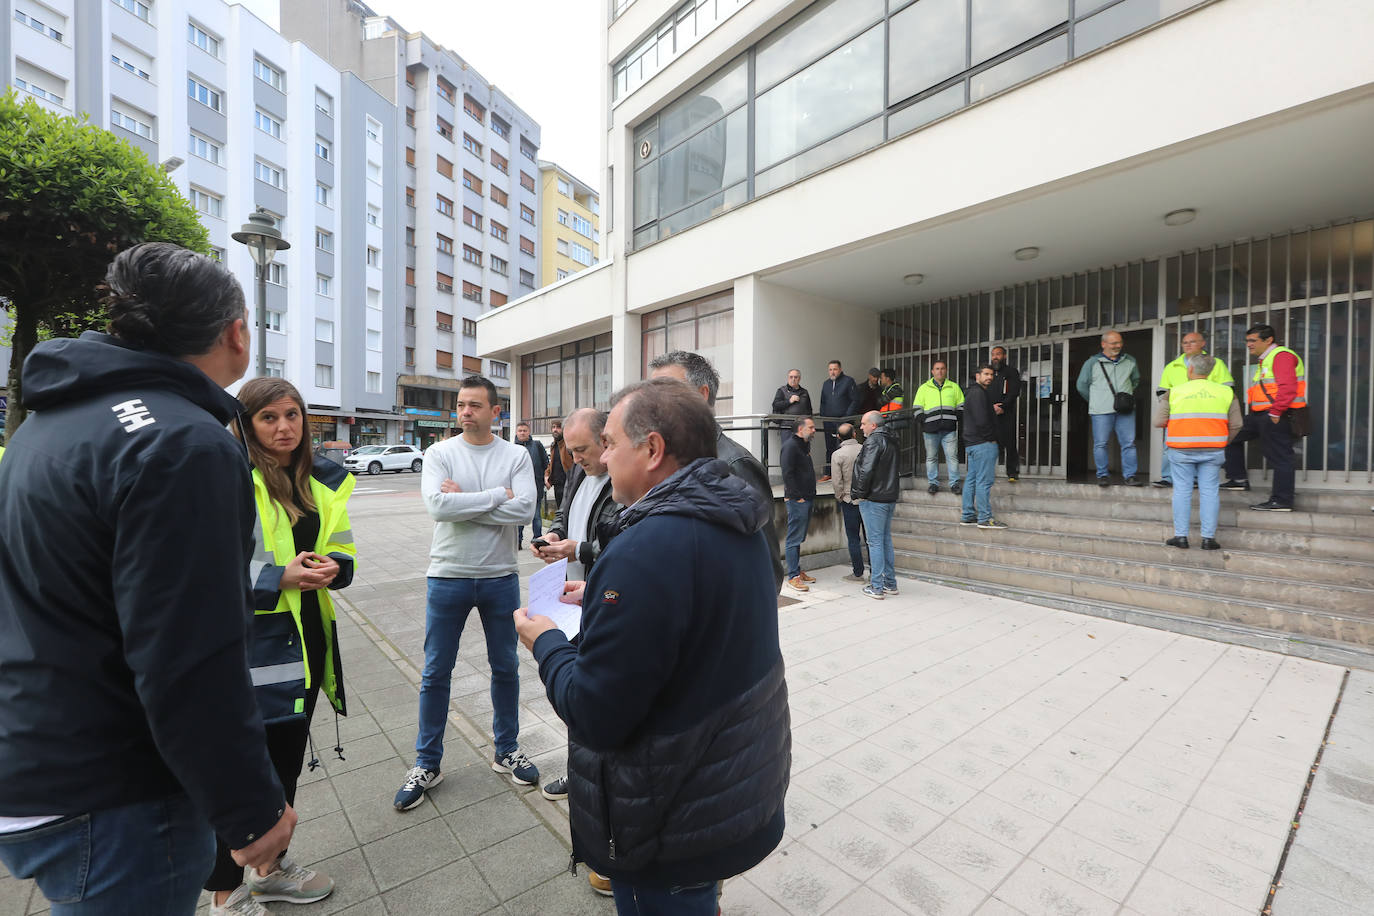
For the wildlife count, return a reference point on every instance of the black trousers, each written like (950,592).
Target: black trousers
(1276,442)
(286,742)
(1006,437)
(832,442)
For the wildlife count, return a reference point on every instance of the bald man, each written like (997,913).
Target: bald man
(1176,374)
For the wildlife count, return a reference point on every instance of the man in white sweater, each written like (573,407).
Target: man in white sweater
(479,490)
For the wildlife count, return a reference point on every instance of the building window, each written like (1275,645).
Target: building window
(374,257)
(472,218)
(269,74)
(266,123)
(500,128)
(443,204)
(443,243)
(443,282)
(472,146)
(324,149)
(410,155)
(527,279)
(444,166)
(443,359)
(526,246)
(202,39)
(324,286)
(410,78)
(141,10)
(497,299)
(499,265)
(582,225)
(374,379)
(269,174)
(558,380)
(499,370)
(324,194)
(126,59)
(527,214)
(472,291)
(410,356)
(562,217)
(565,187)
(203,94)
(131,123)
(472,255)
(324,330)
(445,89)
(410,202)
(216,253)
(324,376)
(274,320)
(324,102)
(443,128)
(276,274)
(410,281)
(374,172)
(499,197)
(374,131)
(374,343)
(528,150)
(374,302)
(276,368)
(562,274)
(705,326)
(562,246)
(472,182)
(581,254)
(324,240)
(498,231)
(527,181)
(205,202)
(410,117)
(32,87)
(469,328)
(374,215)
(499,162)
(410,230)
(474,109)
(443,321)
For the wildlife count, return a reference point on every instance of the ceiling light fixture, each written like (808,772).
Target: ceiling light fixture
(1029,253)
(914,279)
(1180,217)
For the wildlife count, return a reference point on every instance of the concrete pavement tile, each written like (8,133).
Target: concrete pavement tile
(990,745)
(515,865)
(933,789)
(563,895)
(802,882)
(1116,831)
(804,810)
(1090,864)
(353,882)
(465,785)
(1049,767)
(967,767)
(410,853)
(1032,795)
(995,907)
(1258,848)
(924,888)
(1110,734)
(1166,781)
(863,902)
(400,695)
(351,727)
(1213,872)
(1299,899)
(969,854)
(370,907)
(358,754)
(397,716)
(373,784)
(454,890)
(374,680)
(1160,894)
(1154,809)
(811,702)
(1037,890)
(1348,788)
(1080,751)
(489,822)
(852,845)
(823,738)
(854,719)
(313,800)
(743,898)
(873,761)
(322,838)
(907,740)
(891,812)
(1011,724)
(837,784)
(803,758)
(1261,814)
(1158,753)
(1003,822)
(14,895)
(403,740)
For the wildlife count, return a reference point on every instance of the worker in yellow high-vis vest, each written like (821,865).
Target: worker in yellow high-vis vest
(1278,385)
(1200,416)
(1175,374)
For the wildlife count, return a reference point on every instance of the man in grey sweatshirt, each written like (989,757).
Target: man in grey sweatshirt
(479,489)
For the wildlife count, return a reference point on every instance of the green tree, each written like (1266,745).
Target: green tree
(72,196)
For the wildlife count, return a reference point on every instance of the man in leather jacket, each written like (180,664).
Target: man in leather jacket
(876,487)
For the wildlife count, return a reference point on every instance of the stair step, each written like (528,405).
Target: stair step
(1346,624)
(916,519)
(1354,500)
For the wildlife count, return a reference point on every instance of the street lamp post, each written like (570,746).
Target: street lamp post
(264,240)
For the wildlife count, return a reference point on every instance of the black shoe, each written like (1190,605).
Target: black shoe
(1163,484)
(1272,505)
(1133,482)
(1236,485)
(1181,543)
(1103,482)
(933,489)
(957,489)
(1210,544)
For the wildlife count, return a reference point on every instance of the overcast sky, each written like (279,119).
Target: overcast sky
(542,53)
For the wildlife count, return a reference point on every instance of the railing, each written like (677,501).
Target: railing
(911,453)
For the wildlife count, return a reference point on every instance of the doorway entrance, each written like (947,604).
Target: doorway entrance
(1080,465)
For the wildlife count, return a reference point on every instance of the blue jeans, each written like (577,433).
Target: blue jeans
(1165,473)
(982,464)
(852,520)
(643,900)
(537,525)
(1205,464)
(882,572)
(148,857)
(950,442)
(1123,424)
(446,613)
(798,520)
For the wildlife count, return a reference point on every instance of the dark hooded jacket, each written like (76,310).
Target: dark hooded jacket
(126,518)
(875,470)
(679,740)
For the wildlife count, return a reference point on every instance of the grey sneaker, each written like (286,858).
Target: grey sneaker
(873,592)
(890,590)
(418,782)
(518,766)
(555,789)
(290,884)
(240,903)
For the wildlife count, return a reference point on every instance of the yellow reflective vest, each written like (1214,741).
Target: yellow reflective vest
(1176,373)
(277,661)
(1264,386)
(1198,410)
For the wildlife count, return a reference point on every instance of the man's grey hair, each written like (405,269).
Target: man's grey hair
(595,420)
(1200,364)
(1106,334)
(700,372)
(674,411)
(874,417)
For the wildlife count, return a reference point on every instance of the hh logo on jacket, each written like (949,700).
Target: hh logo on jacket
(133,415)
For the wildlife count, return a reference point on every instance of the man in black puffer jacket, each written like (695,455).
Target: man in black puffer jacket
(679,739)
(876,487)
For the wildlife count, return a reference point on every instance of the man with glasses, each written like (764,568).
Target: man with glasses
(1278,386)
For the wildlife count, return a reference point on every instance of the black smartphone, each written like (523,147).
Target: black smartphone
(539,542)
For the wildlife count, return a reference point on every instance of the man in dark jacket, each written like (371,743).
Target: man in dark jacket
(129,733)
(799,494)
(679,739)
(539,459)
(877,488)
(697,371)
(560,463)
(792,399)
(871,392)
(980,451)
(1006,388)
(839,398)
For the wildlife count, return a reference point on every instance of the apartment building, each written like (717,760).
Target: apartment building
(569,217)
(242,118)
(471,199)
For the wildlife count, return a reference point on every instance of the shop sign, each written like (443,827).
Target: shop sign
(422,412)
(316,418)
(441,424)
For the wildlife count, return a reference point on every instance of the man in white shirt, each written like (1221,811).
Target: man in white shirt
(479,490)
(587,504)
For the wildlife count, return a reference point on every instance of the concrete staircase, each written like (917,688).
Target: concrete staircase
(1300,582)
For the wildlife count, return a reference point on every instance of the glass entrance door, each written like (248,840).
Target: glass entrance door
(1042,408)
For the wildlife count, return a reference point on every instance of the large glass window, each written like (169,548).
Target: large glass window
(705,326)
(920,53)
(811,35)
(1000,26)
(559,380)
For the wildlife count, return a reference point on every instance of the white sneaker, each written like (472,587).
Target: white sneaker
(290,884)
(240,903)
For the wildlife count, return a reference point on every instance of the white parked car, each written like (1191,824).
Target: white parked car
(377,458)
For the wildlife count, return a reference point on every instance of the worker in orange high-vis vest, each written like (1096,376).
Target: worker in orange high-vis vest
(1278,384)
(1200,417)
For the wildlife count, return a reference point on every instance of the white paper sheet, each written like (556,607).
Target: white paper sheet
(546,586)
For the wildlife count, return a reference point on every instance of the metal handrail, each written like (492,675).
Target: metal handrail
(903,422)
